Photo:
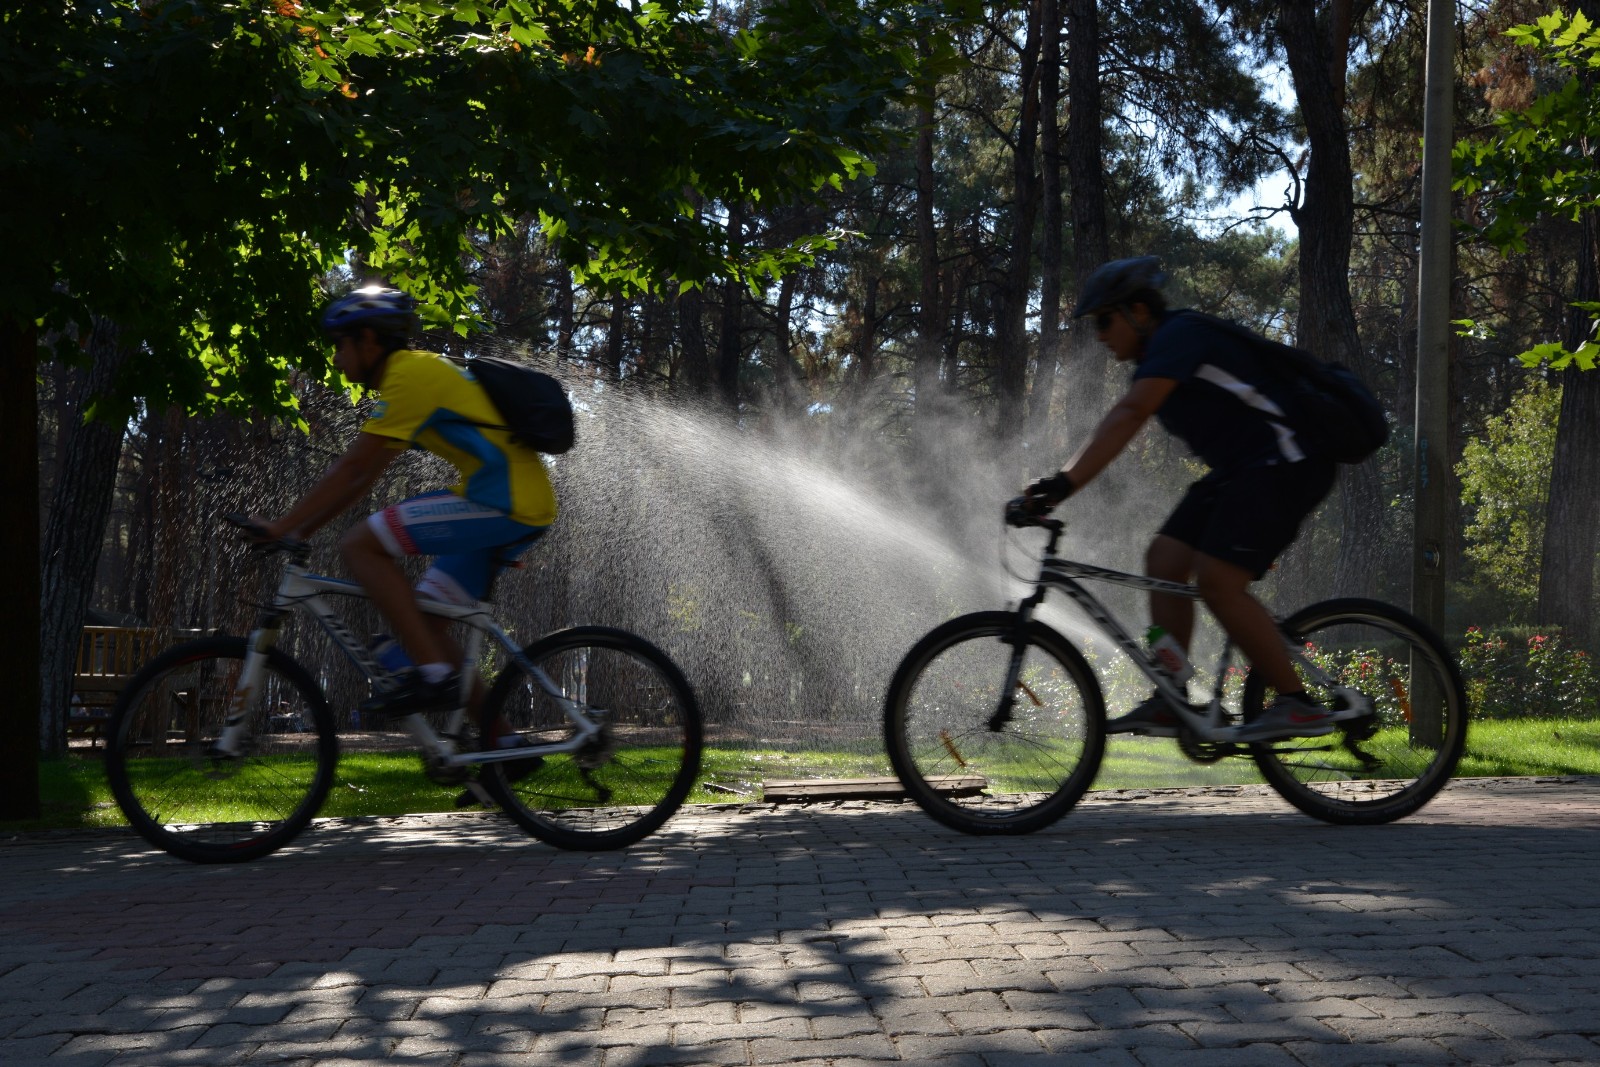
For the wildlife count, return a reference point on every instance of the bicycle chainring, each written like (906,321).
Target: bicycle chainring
(598,752)
(1207,751)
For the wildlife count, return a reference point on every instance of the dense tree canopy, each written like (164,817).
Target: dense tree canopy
(191,170)
(1539,160)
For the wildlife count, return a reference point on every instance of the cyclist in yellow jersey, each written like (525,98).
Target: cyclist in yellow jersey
(503,503)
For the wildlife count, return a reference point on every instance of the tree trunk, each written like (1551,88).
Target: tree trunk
(1572,515)
(1566,573)
(565,315)
(616,336)
(785,390)
(1050,253)
(1317,57)
(1011,337)
(652,344)
(19,652)
(866,339)
(1091,242)
(692,341)
(930,300)
(730,352)
(85,480)
(169,532)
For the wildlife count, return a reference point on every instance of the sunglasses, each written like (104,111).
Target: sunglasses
(1102,319)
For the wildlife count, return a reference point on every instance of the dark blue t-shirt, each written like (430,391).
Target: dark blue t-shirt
(1221,408)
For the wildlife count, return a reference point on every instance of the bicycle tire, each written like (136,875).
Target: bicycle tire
(947,753)
(625,783)
(200,808)
(1377,769)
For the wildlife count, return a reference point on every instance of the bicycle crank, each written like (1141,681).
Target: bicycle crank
(1207,751)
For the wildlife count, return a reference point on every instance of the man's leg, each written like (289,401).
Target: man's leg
(379,573)
(1172,561)
(1225,587)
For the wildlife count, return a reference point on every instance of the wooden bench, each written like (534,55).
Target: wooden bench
(108,656)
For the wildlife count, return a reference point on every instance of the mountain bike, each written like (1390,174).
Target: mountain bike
(995,722)
(224,748)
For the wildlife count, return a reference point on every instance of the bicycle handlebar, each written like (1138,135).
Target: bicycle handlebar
(1019,513)
(261,541)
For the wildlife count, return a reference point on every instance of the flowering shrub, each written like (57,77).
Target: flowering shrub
(1509,676)
(1371,672)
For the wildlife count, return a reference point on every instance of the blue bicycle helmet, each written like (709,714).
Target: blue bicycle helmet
(1113,283)
(386,311)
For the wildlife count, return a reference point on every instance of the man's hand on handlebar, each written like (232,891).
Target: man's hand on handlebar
(1037,500)
(261,532)
(1046,493)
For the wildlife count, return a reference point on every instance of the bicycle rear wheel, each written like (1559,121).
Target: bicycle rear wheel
(1385,765)
(182,797)
(627,780)
(983,757)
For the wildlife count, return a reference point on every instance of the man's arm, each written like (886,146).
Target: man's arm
(1124,420)
(347,481)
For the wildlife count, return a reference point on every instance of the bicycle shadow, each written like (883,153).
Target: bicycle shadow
(864,931)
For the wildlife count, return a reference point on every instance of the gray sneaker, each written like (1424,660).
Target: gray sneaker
(1151,717)
(1291,715)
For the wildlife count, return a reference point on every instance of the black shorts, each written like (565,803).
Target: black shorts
(1249,517)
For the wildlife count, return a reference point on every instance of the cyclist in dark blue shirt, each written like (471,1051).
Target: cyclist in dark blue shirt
(1210,392)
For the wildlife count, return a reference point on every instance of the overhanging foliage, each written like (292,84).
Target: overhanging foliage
(192,170)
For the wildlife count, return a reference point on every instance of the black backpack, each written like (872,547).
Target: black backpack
(1327,406)
(533,404)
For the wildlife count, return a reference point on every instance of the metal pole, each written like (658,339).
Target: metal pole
(1431,446)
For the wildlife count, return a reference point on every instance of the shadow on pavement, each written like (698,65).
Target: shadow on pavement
(848,932)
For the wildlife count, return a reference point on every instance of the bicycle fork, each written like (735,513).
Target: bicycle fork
(1019,648)
(230,743)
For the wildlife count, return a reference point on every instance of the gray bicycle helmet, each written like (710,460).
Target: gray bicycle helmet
(387,311)
(1113,283)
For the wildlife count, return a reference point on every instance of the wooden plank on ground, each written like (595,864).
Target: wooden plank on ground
(805,790)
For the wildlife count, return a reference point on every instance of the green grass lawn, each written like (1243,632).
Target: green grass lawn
(74,794)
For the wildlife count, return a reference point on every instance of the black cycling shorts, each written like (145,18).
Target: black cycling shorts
(1249,517)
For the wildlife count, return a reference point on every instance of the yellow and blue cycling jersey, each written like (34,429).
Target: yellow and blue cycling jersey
(430,403)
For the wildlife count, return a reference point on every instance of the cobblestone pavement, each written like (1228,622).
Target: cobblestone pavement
(1147,928)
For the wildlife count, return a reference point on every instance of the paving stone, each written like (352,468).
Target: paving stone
(1265,1054)
(1151,927)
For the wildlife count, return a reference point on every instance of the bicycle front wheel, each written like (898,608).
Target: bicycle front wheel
(1383,765)
(174,788)
(989,736)
(627,779)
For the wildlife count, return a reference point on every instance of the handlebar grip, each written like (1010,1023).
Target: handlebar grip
(1019,513)
(263,541)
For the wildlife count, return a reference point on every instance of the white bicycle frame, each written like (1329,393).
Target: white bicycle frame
(299,588)
(1208,722)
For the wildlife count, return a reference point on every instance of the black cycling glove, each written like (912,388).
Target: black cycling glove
(1046,493)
